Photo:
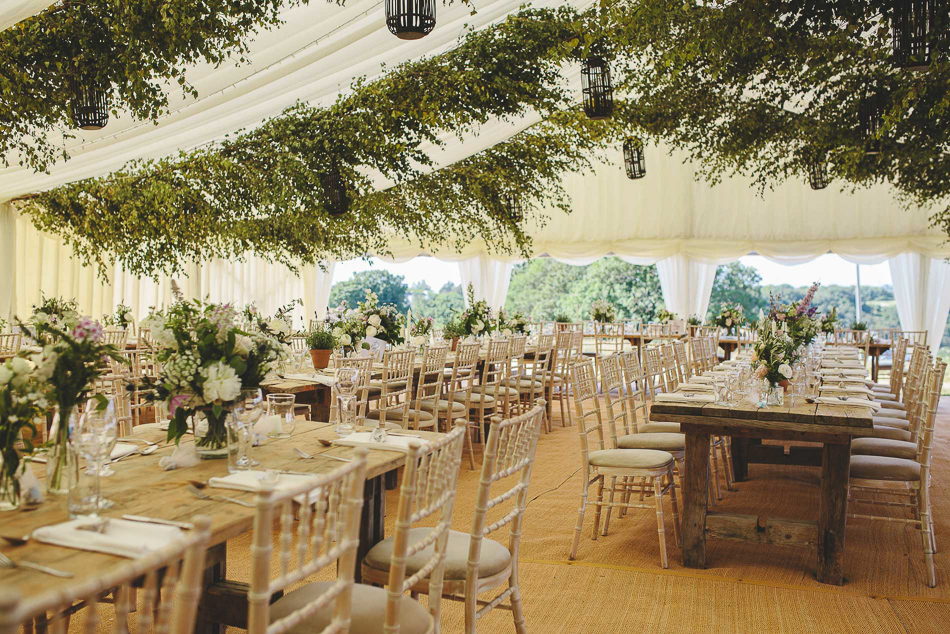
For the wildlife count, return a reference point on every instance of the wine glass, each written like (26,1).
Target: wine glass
(347,381)
(94,439)
(247,410)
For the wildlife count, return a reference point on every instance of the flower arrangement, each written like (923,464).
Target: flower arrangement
(421,330)
(663,315)
(798,318)
(694,321)
(562,318)
(512,323)
(382,321)
(348,328)
(280,326)
(207,359)
(476,320)
(22,406)
(730,316)
(774,353)
(859,325)
(52,310)
(602,311)
(121,318)
(70,361)
(829,322)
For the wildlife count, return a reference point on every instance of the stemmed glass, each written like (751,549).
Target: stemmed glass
(246,412)
(347,380)
(93,439)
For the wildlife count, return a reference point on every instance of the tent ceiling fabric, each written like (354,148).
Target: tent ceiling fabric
(12,11)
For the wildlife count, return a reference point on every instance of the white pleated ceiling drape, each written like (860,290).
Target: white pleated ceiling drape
(922,294)
(686,284)
(489,278)
(12,11)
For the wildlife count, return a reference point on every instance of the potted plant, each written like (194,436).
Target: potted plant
(561,319)
(321,342)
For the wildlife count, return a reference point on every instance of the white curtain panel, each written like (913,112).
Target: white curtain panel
(922,293)
(489,278)
(8,267)
(686,284)
(316,290)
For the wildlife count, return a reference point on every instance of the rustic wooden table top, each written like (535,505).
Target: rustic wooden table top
(141,487)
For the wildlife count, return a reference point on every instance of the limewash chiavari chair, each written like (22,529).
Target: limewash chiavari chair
(890,403)
(654,371)
(902,424)
(600,460)
(517,369)
(908,465)
(892,390)
(746,338)
(671,373)
(559,377)
(394,388)
(326,535)
(10,344)
(609,339)
(459,390)
(493,396)
(117,337)
(682,361)
(364,366)
(697,359)
(860,339)
(416,557)
(428,392)
(533,384)
(298,343)
(170,580)
(917,337)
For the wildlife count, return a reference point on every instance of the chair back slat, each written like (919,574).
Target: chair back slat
(611,380)
(431,379)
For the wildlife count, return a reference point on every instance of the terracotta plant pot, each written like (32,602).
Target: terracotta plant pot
(785,385)
(455,343)
(321,358)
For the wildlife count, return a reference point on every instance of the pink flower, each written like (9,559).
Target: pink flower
(177,401)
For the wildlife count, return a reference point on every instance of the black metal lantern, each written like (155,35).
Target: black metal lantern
(871,119)
(513,208)
(596,89)
(633,158)
(90,105)
(334,191)
(818,174)
(410,19)
(919,27)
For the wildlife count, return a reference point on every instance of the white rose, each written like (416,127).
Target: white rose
(374,320)
(477,326)
(370,331)
(243,345)
(5,374)
(22,366)
(40,317)
(506,332)
(221,382)
(164,338)
(785,370)
(346,340)
(418,340)
(337,332)
(278,326)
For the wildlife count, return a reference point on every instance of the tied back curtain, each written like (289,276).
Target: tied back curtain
(489,278)
(686,284)
(922,294)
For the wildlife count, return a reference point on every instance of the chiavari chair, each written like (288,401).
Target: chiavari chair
(849,338)
(517,370)
(298,343)
(533,384)
(559,378)
(600,460)
(493,395)
(415,556)
(671,373)
(745,339)
(118,337)
(170,580)
(364,367)
(459,390)
(10,344)
(428,390)
(892,390)
(898,424)
(609,339)
(892,406)
(654,372)
(682,361)
(712,352)
(325,537)
(917,337)
(875,476)
(392,408)
(697,355)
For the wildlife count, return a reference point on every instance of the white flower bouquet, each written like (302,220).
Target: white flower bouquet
(730,316)
(602,311)
(22,407)
(774,353)
(476,320)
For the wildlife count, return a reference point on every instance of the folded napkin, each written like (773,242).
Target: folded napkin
(322,379)
(697,387)
(708,380)
(836,391)
(183,456)
(685,397)
(252,480)
(860,402)
(853,388)
(365,439)
(123,449)
(120,537)
(843,372)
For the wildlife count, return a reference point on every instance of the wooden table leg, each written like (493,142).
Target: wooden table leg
(740,459)
(832,516)
(694,500)
(372,520)
(216,570)
(874,367)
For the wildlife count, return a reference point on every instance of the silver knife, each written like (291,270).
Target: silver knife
(155,520)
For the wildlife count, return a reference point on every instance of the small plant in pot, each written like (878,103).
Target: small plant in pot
(321,341)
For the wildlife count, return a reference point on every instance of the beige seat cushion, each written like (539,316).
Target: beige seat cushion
(494,557)
(477,398)
(630,458)
(892,433)
(525,384)
(893,413)
(429,406)
(368,613)
(885,421)
(395,417)
(660,428)
(892,405)
(499,390)
(883,468)
(884,447)
(661,441)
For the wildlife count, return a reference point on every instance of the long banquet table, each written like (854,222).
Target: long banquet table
(141,487)
(831,425)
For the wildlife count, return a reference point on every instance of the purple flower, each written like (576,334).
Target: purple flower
(177,401)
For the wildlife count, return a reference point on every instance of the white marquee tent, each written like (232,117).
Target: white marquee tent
(670,218)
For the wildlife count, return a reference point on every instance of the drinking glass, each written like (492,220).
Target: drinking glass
(112,422)
(93,439)
(347,380)
(280,410)
(247,410)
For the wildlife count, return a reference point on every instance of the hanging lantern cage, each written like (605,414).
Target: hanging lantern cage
(871,119)
(410,19)
(90,105)
(596,89)
(334,191)
(919,29)
(633,158)
(513,208)
(818,174)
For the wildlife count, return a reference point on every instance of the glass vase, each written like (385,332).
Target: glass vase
(9,486)
(775,396)
(211,435)
(61,461)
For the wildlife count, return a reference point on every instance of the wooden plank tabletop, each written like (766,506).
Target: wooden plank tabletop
(141,487)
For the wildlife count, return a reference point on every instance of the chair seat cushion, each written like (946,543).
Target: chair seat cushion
(883,468)
(494,557)
(368,613)
(654,440)
(892,405)
(892,413)
(884,421)
(494,390)
(884,394)
(395,416)
(477,398)
(430,406)
(660,428)
(525,384)
(893,433)
(630,458)
(884,447)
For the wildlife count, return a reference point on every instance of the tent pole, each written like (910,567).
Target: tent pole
(857,294)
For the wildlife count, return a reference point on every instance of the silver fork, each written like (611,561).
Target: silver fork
(303,454)
(6,562)
(201,495)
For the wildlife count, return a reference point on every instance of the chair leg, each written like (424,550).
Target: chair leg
(715,462)
(598,505)
(660,525)
(926,528)
(610,499)
(471,447)
(726,450)
(580,514)
(676,513)
(517,612)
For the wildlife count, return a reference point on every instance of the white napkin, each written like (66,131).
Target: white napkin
(269,424)
(702,379)
(123,449)
(120,537)
(252,480)
(860,402)
(365,439)
(697,387)
(183,456)
(849,389)
(843,371)
(322,379)
(685,397)
(834,391)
